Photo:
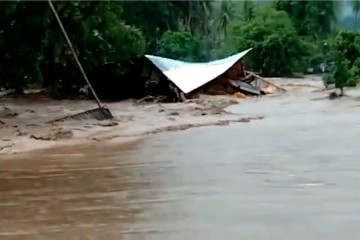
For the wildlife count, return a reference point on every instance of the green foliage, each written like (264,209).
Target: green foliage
(197,17)
(30,37)
(109,40)
(355,73)
(116,32)
(225,16)
(328,79)
(341,74)
(248,10)
(102,32)
(311,18)
(153,18)
(277,49)
(177,45)
(346,59)
(184,46)
(319,53)
(349,44)
(20,47)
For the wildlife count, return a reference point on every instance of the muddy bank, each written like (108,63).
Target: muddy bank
(296,170)
(24,127)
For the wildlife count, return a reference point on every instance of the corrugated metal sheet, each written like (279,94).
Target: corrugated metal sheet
(190,76)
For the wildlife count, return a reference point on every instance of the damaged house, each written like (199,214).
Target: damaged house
(179,80)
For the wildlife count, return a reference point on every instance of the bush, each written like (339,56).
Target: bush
(349,44)
(112,42)
(340,74)
(177,45)
(328,79)
(182,45)
(21,54)
(346,56)
(277,49)
(355,72)
(96,30)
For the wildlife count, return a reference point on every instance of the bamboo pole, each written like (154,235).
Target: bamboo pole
(74,53)
(263,79)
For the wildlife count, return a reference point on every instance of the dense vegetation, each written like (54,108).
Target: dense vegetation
(287,37)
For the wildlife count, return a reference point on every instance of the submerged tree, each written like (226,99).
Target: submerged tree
(341,74)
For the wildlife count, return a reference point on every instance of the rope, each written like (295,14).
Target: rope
(73,52)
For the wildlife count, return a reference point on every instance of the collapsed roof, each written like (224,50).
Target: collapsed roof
(190,76)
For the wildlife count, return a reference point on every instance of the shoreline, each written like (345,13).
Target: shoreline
(24,123)
(24,127)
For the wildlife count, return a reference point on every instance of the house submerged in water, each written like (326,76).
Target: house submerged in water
(187,80)
(169,80)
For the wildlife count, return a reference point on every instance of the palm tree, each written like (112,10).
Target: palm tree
(226,15)
(197,16)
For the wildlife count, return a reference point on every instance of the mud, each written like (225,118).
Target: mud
(188,126)
(25,120)
(291,175)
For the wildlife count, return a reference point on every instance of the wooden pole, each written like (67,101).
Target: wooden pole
(74,53)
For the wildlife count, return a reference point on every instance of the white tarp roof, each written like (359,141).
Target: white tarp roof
(190,76)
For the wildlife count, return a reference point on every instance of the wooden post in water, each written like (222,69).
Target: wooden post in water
(74,53)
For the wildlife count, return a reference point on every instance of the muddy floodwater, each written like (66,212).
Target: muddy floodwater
(293,175)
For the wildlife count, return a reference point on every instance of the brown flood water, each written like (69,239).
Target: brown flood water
(293,175)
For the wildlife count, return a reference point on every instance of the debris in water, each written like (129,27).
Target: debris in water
(109,124)
(7,113)
(53,136)
(174,114)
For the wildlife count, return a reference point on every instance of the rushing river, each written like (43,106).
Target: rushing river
(293,175)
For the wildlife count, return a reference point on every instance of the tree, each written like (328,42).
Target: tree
(177,45)
(347,46)
(21,33)
(277,49)
(184,46)
(34,48)
(225,16)
(348,43)
(346,61)
(311,18)
(356,10)
(110,40)
(196,16)
(153,18)
(248,10)
(341,74)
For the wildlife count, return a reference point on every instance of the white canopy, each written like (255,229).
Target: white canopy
(190,76)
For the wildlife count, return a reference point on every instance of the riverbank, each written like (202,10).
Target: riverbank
(24,127)
(202,183)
